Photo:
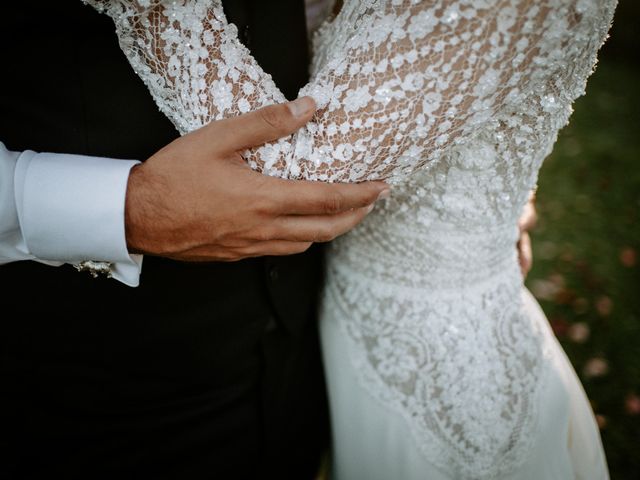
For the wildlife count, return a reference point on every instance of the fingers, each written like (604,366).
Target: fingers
(529,217)
(261,126)
(300,197)
(525,253)
(256,249)
(278,248)
(317,228)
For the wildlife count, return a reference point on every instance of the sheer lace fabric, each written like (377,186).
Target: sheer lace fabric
(398,82)
(457,102)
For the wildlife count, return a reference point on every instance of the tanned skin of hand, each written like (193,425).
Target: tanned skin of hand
(197,200)
(527,221)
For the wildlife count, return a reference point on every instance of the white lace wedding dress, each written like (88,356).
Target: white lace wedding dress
(440,364)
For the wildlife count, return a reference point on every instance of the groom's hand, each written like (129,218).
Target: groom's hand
(197,200)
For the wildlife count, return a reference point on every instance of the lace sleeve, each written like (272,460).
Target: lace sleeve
(398,82)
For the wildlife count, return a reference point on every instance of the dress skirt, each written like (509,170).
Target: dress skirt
(372,442)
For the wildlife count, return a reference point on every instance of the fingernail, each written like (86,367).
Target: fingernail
(301,106)
(370,208)
(386,193)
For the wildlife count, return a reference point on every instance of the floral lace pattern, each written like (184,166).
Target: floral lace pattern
(429,287)
(470,399)
(457,102)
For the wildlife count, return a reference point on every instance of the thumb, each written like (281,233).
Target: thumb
(264,125)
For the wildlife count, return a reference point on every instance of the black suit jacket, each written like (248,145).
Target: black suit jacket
(205,370)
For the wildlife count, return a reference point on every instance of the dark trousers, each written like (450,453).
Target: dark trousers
(159,382)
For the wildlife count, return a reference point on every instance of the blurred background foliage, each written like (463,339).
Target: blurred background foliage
(586,272)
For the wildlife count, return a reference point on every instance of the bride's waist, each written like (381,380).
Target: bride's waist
(436,259)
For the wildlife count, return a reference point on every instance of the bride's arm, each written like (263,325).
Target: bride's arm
(190,58)
(401,82)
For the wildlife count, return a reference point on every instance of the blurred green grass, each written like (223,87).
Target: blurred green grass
(586,272)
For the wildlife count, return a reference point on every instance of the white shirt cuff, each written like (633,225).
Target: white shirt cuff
(71,209)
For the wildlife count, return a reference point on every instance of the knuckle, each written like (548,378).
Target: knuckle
(264,204)
(263,209)
(273,206)
(334,203)
(264,234)
(275,117)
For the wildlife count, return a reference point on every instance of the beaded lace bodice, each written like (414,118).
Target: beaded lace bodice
(457,103)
